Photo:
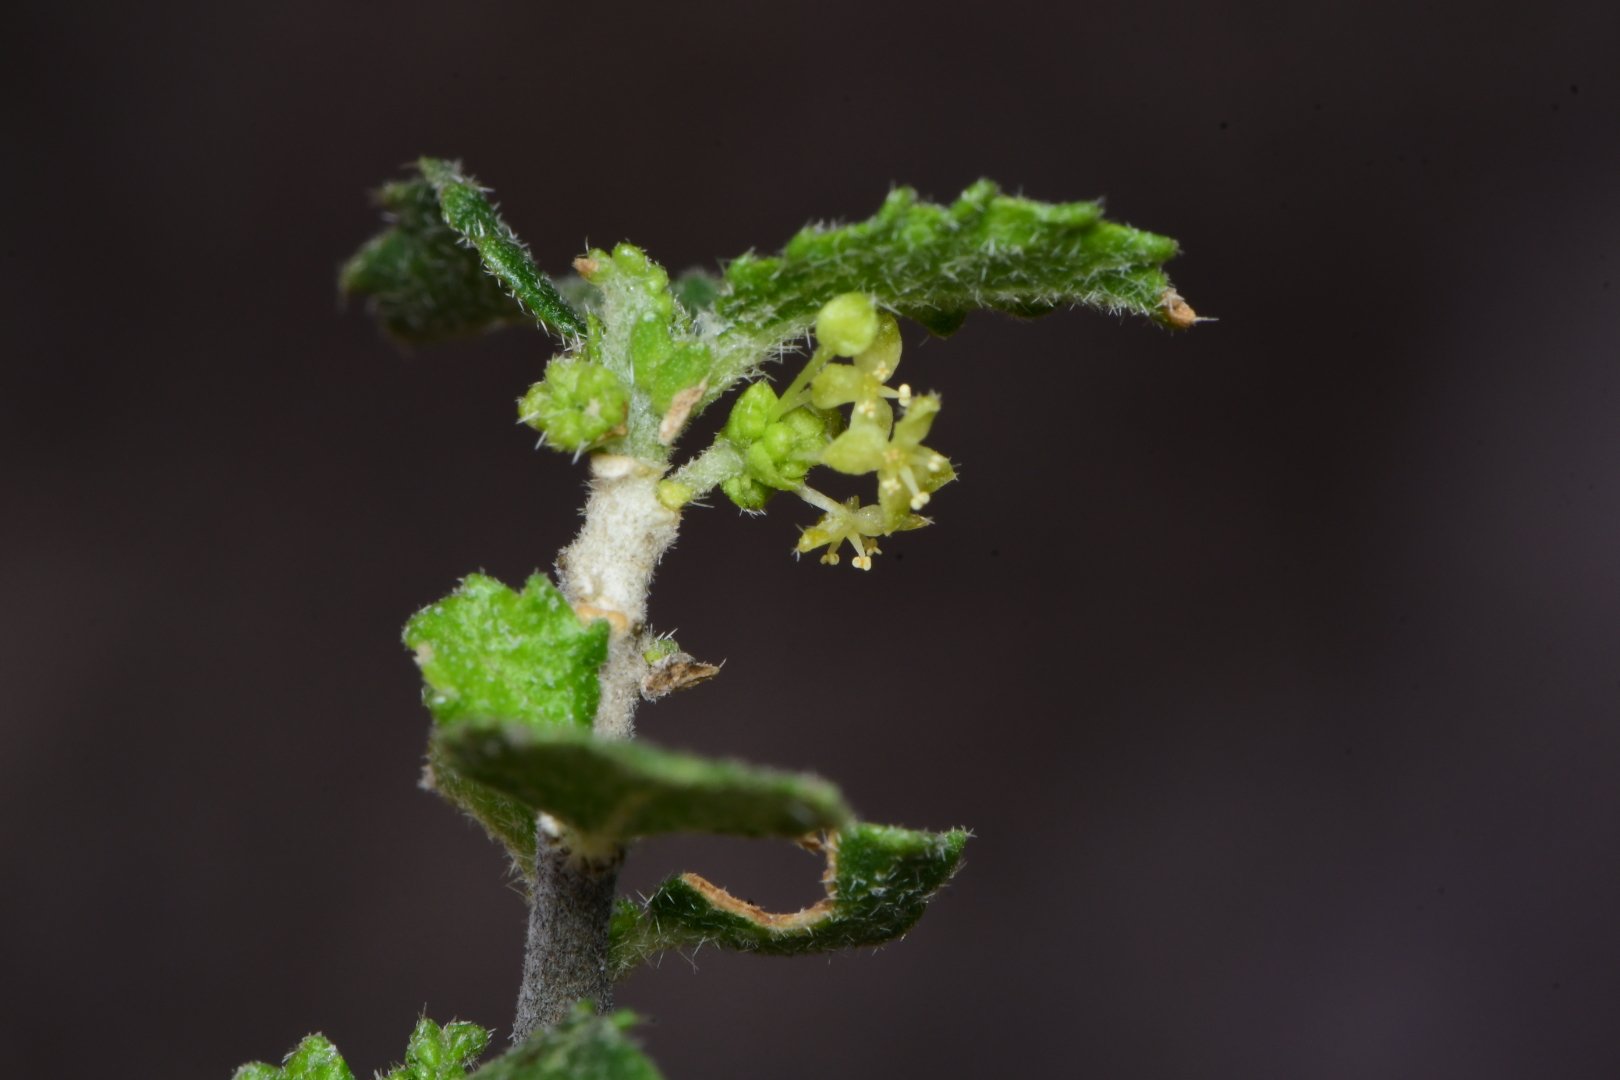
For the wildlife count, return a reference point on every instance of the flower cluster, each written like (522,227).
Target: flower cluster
(908,473)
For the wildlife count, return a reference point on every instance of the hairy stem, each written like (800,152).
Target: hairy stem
(605,574)
(566,958)
(703,473)
(606,571)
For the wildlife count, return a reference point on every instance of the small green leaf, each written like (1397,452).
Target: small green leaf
(936,263)
(441,1053)
(646,338)
(469,213)
(490,655)
(583,1047)
(615,790)
(315,1058)
(421,283)
(433,1053)
(880,880)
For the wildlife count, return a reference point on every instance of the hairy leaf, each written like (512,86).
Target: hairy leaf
(422,284)
(696,290)
(583,1047)
(467,211)
(315,1058)
(441,1053)
(490,655)
(616,790)
(505,819)
(433,1053)
(936,263)
(879,880)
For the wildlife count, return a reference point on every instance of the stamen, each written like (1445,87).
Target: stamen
(861,561)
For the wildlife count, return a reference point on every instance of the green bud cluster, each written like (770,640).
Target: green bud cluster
(665,359)
(777,448)
(577,405)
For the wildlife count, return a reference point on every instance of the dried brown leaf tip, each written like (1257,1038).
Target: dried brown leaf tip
(677,671)
(680,410)
(1177,312)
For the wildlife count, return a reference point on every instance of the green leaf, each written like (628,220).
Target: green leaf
(696,289)
(441,1053)
(468,212)
(422,284)
(936,263)
(490,655)
(879,881)
(433,1053)
(614,790)
(315,1058)
(583,1047)
(505,819)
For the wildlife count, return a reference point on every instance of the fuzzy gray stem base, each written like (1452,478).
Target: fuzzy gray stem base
(566,959)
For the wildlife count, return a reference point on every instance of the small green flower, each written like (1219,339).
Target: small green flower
(862,380)
(858,525)
(909,472)
(850,522)
(859,450)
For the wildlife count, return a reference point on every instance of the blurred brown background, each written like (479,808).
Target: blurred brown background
(1274,664)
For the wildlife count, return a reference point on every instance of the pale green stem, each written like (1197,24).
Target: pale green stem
(798,391)
(825,504)
(702,474)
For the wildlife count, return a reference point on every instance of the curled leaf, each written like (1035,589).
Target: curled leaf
(879,880)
